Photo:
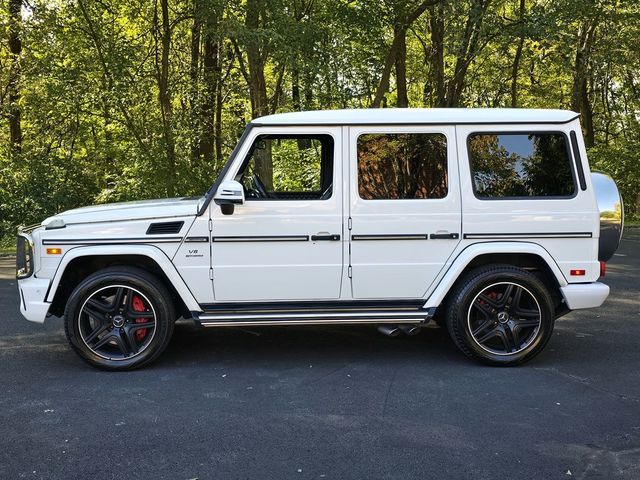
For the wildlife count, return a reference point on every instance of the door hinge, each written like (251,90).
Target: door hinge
(350,271)
(350,223)
(211,274)
(210,225)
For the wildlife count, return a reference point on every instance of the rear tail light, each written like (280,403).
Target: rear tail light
(603,268)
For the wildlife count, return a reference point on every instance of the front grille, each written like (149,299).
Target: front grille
(24,256)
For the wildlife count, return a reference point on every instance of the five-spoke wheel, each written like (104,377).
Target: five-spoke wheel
(500,314)
(119,318)
(504,318)
(117,322)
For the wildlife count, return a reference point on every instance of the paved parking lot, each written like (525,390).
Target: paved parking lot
(333,402)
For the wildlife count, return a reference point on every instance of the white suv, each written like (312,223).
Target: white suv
(487,221)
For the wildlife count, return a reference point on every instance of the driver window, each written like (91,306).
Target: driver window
(288,167)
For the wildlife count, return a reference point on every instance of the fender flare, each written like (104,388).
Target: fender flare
(149,251)
(466,256)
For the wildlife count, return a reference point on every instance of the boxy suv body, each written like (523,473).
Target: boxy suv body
(487,221)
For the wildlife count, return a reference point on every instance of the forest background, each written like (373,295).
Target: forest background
(113,100)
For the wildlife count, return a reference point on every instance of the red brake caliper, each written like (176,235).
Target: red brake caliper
(138,306)
(491,295)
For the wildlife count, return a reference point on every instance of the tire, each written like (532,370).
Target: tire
(500,315)
(119,318)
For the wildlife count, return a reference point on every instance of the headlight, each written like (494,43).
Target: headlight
(24,256)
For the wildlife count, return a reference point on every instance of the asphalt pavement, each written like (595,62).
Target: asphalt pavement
(328,402)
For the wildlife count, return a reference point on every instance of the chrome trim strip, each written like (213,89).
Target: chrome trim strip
(265,238)
(392,236)
(280,317)
(475,236)
(107,241)
(196,240)
(248,323)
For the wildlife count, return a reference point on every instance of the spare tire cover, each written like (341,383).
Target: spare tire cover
(611,214)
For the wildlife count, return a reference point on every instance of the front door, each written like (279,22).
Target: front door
(285,242)
(404,204)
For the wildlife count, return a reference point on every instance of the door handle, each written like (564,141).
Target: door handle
(444,236)
(325,237)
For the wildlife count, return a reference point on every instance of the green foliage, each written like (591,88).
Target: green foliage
(296,165)
(100,123)
(622,162)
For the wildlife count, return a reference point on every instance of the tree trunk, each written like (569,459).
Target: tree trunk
(164,96)
(383,86)
(308,90)
(399,37)
(580,101)
(256,59)
(295,89)
(13,84)
(436,22)
(194,78)
(467,51)
(401,69)
(210,81)
(218,117)
(516,60)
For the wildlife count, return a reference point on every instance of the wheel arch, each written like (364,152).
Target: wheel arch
(81,262)
(525,255)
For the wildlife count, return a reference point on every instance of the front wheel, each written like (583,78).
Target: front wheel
(119,318)
(500,315)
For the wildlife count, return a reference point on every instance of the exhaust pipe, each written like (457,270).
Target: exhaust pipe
(389,330)
(410,329)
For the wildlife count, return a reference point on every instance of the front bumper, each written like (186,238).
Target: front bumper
(585,295)
(33,293)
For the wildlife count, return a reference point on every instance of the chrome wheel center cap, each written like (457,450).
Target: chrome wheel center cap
(118,321)
(503,317)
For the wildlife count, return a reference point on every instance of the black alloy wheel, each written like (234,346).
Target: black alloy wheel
(117,322)
(500,315)
(504,318)
(119,318)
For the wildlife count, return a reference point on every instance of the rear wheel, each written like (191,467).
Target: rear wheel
(500,315)
(119,318)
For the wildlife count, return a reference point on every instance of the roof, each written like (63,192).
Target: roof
(399,116)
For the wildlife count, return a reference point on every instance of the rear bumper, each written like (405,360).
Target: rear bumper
(585,295)
(33,306)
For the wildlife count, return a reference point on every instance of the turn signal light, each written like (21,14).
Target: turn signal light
(578,272)
(603,269)
(54,251)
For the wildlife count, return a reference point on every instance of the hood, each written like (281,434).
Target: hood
(162,208)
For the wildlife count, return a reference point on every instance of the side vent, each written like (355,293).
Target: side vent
(164,228)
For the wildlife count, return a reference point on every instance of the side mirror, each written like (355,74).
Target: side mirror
(229,194)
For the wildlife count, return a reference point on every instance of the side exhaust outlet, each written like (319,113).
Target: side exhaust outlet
(410,329)
(389,330)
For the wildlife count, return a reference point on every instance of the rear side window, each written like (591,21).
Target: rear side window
(402,166)
(517,165)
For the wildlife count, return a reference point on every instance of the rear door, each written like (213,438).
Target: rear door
(404,208)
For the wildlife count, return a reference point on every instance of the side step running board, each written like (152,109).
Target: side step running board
(225,319)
